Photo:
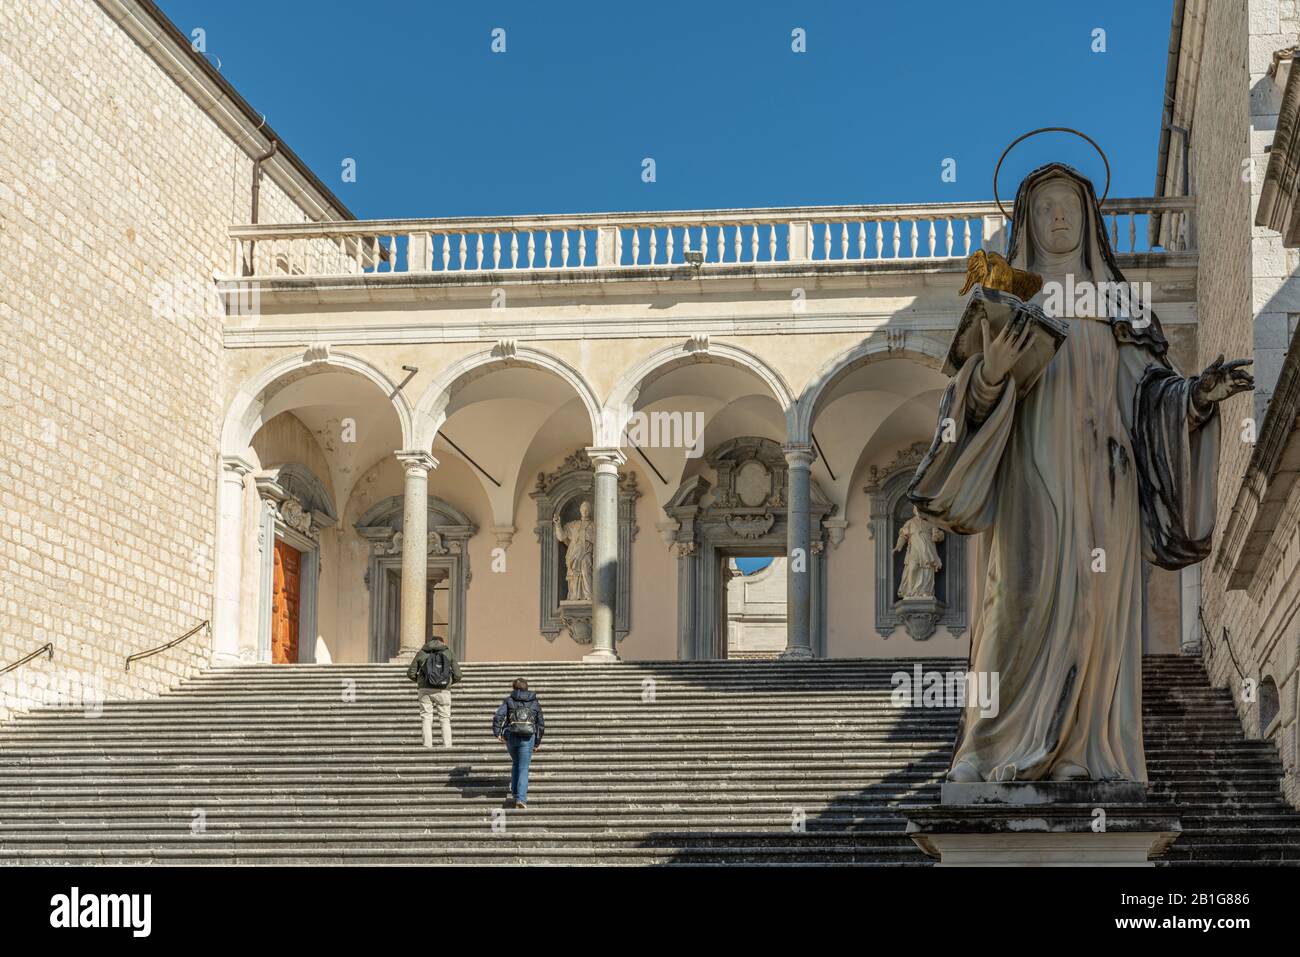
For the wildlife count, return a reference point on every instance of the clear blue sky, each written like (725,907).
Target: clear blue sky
(439,125)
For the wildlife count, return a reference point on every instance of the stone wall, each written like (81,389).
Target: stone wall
(116,191)
(1247,296)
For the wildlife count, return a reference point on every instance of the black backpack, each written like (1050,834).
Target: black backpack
(520,720)
(437,670)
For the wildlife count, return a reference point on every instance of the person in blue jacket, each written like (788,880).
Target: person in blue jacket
(519,723)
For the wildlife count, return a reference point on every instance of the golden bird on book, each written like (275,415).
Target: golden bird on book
(991,271)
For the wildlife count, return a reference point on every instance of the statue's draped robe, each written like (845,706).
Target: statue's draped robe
(920,561)
(579,538)
(1104,452)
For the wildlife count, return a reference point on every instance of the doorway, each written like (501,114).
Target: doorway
(753,606)
(437,609)
(286,599)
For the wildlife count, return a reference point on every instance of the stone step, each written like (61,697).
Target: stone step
(288,772)
(483,855)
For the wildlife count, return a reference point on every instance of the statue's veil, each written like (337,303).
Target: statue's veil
(1097,253)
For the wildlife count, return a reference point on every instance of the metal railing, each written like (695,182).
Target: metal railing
(704,239)
(45,649)
(171,644)
(1209,645)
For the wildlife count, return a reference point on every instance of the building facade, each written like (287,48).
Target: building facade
(1227,142)
(320,439)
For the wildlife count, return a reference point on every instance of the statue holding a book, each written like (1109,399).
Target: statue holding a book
(1076,446)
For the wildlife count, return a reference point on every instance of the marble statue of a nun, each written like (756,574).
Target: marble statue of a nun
(1109,458)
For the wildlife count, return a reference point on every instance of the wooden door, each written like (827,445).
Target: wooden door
(284,604)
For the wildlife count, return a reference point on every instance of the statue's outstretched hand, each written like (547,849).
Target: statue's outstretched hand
(1002,352)
(1221,380)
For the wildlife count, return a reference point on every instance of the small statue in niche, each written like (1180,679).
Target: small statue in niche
(579,539)
(921,562)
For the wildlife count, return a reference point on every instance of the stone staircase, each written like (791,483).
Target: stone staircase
(650,763)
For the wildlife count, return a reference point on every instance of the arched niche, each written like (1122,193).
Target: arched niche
(887,488)
(1270,704)
(558,493)
(449,530)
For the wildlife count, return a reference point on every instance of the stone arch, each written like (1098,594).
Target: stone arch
(430,411)
(882,344)
(244,414)
(618,407)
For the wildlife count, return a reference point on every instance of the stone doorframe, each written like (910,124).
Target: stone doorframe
(449,530)
(575,479)
(295,507)
(747,513)
(886,485)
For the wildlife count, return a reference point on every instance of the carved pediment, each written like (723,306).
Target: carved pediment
(750,526)
(907,459)
(297,498)
(578,463)
(751,474)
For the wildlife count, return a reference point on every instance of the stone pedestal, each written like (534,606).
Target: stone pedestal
(1044,824)
(575,615)
(919,616)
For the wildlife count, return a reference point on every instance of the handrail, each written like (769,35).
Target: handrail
(45,649)
(1226,640)
(171,644)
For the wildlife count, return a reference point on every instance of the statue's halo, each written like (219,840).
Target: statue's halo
(1048,129)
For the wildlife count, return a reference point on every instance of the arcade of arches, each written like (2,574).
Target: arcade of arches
(359,512)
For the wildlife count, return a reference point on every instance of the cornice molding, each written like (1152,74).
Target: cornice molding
(1266,485)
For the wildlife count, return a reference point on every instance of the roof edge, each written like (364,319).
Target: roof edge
(163,41)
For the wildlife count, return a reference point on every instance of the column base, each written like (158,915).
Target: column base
(601,657)
(224,659)
(796,654)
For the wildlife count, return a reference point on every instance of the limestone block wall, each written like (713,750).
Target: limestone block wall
(116,190)
(1247,298)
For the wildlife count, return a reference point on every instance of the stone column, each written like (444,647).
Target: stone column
(415,548)
(605,570)
(230,560)
(799,571)
(1189,630)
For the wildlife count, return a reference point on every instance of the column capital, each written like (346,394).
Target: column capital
(416,461)
(607,458)
(236,465)
(798,456)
